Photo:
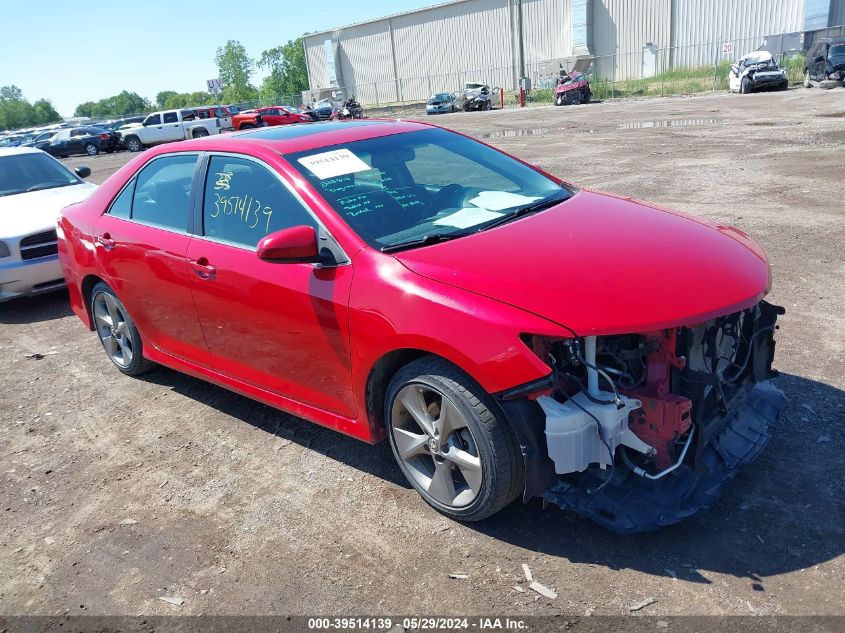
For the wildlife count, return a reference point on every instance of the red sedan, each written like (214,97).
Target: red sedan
(277,115)
(509,334)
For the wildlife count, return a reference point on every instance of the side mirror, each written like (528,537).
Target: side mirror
(296,244)
(83,171)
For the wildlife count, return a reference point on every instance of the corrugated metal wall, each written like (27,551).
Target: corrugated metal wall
(442,48)
(837,13)
(702,27)
(620,30)
(546,30)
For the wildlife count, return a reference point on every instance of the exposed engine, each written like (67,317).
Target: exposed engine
(649,405)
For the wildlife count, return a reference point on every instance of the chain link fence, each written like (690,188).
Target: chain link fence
(652,71)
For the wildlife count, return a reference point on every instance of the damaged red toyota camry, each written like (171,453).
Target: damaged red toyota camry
(510,334)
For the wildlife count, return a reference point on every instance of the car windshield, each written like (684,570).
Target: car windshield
(419,187)
(439,97)
(21,173)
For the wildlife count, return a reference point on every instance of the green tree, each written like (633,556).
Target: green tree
(45,112)
(187,100)
(16,112)
(163,96)
(288,72)
(235,69)
(119,105)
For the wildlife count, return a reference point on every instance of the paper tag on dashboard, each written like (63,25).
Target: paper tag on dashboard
(338,162)
(467,217)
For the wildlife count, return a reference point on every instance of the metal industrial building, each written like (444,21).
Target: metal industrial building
(408,56)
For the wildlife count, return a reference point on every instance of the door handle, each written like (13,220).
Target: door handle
(105,241)
(202,268)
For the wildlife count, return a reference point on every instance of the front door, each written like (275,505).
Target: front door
(141,243)
(281,327)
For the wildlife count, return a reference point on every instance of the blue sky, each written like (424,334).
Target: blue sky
(70,52)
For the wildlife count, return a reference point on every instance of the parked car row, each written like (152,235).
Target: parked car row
(475,96)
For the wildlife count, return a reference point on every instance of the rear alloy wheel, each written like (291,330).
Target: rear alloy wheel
(117,332)
(91,149)
(200,133)
(807,83)
(451,447)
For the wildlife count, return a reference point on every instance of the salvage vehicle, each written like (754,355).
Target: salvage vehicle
(221,113)
(33,189)
(440,103)
(510,335)
(351,109)
(824,61)
(166,127)
(247,119)
(757,71)
(475,96)
(81,140)
(573,87)
(279,115)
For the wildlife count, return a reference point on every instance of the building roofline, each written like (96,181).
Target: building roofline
(386,17)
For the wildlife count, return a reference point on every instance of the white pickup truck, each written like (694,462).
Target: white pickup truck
(166,127)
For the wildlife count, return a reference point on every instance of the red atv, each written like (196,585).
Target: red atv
(573,87)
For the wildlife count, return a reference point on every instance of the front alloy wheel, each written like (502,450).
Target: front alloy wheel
(462,459)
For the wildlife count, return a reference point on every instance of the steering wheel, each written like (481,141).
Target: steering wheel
(439,201)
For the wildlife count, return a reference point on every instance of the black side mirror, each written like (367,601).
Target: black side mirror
(83,171)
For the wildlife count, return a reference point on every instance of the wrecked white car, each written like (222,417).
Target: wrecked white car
(757,71)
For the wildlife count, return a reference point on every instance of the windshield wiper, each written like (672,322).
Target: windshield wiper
(425,240)
(545,203)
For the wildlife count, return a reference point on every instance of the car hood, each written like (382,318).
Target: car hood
(600,264)
(26,213)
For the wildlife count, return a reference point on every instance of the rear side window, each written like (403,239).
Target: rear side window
(170,117)
(244,201)
(163,192)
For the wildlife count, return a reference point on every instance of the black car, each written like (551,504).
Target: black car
(82,140)
(825,60)
(114,126)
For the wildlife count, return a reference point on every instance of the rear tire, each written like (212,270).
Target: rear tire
(200,133)
(451,441)
(91,149)
(117,332)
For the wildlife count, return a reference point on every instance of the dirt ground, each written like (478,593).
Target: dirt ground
(115,492)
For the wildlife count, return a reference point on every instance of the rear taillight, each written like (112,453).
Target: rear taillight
(103,137)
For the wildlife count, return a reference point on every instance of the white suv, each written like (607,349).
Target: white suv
(34,187)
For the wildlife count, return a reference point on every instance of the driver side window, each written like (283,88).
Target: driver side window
(244,201)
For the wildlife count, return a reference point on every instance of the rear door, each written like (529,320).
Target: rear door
(141,243)
(172,127)
(280,327)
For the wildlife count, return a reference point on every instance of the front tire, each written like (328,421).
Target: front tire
(745,86)
(117,332)
(807,82)
(451,441)
(134,144)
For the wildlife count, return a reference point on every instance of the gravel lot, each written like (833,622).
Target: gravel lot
(116,492)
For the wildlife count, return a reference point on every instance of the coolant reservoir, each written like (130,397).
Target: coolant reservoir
(573,437)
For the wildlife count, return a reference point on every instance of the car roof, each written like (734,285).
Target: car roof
(297,138)
(13,151)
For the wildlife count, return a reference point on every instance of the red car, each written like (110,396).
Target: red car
(277,115)
(509,334)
